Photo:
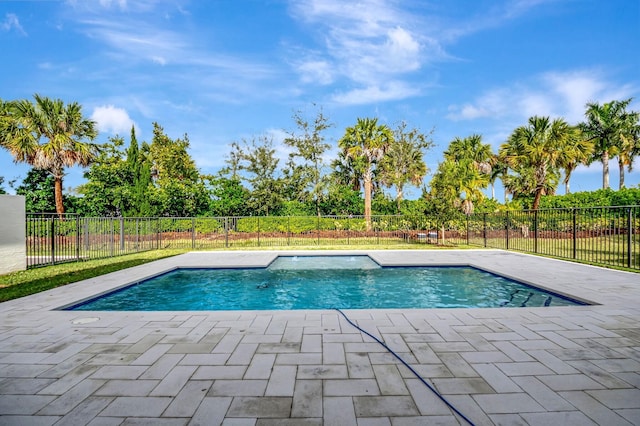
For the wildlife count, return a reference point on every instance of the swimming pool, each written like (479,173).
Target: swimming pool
(322,282)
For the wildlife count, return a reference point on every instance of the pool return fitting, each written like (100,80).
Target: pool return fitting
(431,388)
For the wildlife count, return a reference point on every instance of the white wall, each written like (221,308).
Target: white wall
(13,252)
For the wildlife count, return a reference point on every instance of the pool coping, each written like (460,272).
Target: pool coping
(384,259)
(577,281)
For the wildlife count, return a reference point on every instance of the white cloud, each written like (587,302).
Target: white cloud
(108,3)
(315,71)
(555,94)
(11,22)
(112,120)
(368,43)
(402,50)
(159,60)
(392,91)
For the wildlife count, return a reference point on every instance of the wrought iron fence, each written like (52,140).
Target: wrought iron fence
(601,235)
(54,239)
(608,236)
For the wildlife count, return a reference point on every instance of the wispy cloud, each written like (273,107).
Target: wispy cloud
(557,94)
(367,43)
(394,90)
(480,16)
(12,23)
(373,42)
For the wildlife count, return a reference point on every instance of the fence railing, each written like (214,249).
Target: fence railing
(607,236)
(53,239)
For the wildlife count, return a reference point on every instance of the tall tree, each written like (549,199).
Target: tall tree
(49,135)
(346,171)
(498,171)
(576,153)
(367,142)
(628,144)
(606,125)
(37,189)
(464,173)
(309,146)
(139,168)
(259,166)
(178,188)
(108,187)
(228,197)
(403,162)
(540,148)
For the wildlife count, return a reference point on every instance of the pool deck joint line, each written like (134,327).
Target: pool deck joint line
(577,365)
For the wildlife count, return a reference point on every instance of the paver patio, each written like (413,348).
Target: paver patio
(536,366)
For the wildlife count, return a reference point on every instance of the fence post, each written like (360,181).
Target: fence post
(484,228)
(318,229)
(52,231)
(121,233)
(226,232)
(575,233)
(158,235)
(506,226)
(467,229)
(112,237)
(77,237)
(629,236)
(288,230)
(258,217)
(193,232)
(535,231)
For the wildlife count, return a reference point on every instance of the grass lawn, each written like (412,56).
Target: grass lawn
(24,283)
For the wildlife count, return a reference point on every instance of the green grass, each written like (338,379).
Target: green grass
(24,283)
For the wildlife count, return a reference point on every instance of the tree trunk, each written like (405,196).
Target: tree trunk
(605,169)
(621,166)
(399,197)
(536,200)
(367,200)
(57,189)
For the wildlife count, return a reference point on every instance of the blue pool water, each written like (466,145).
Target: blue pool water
(306,282)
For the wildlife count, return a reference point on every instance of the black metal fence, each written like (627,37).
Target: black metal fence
(607,236)
(53,239)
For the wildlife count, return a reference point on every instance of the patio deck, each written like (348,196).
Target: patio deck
(537,366)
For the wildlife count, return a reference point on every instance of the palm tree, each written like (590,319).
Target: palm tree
(366,142)
(539,149)
(468,162)
(404,160)
(346,171)
(498,171)
(48,135)
(577,153)
(605,126)
(629,144)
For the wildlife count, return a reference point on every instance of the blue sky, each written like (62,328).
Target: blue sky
(224,70)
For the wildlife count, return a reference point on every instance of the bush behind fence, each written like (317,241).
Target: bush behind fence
(602,235)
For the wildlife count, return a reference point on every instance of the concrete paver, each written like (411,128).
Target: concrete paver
(529,366)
